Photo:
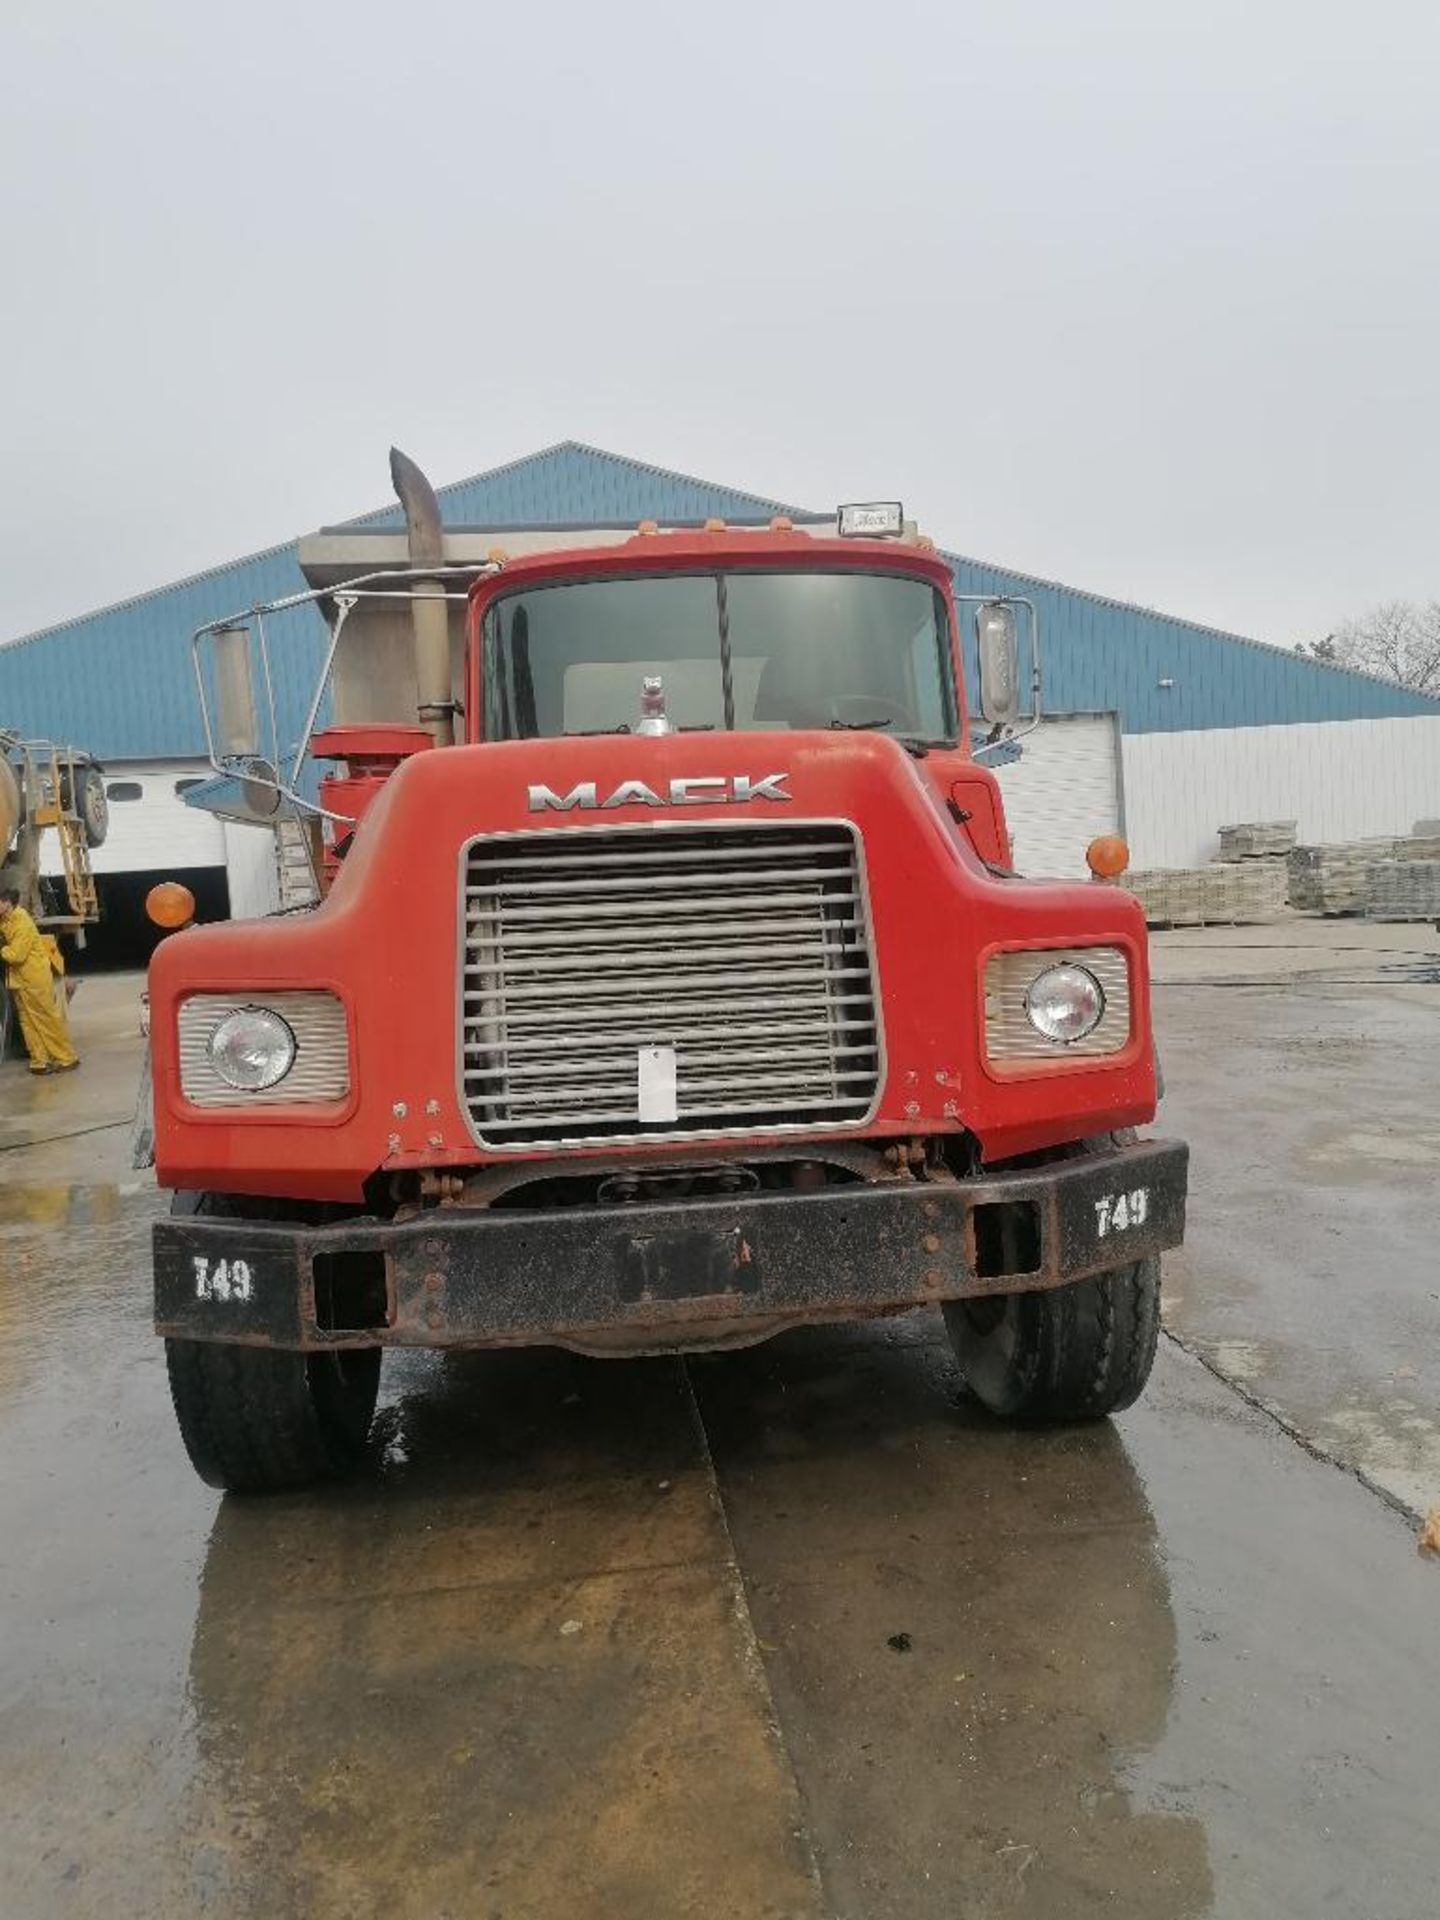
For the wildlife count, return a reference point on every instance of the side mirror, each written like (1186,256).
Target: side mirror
(997,642)
(234,695)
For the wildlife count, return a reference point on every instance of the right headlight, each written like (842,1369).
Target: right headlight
(252,1049)
(1056,1003)
(1065,1003)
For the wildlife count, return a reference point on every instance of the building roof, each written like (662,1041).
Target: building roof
(120,680)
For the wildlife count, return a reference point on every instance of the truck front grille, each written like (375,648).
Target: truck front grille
(743,949)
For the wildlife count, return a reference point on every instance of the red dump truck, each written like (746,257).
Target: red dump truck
(686,996)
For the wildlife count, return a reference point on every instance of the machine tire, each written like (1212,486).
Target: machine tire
(83,794)
(93,806)
(260,1420)
(1064,1355)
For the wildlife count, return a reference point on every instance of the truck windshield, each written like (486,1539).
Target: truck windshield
(734,650)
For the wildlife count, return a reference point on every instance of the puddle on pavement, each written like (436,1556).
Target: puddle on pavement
(969,1631)
(521,1654)
(1133,1668)
(66,1204)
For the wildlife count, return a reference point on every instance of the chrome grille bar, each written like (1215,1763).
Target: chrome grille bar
(745,949)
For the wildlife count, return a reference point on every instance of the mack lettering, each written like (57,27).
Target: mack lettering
(694,790)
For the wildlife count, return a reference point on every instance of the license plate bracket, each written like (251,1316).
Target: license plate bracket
(688,1264)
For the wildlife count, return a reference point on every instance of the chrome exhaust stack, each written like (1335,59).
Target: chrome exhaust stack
(428,610)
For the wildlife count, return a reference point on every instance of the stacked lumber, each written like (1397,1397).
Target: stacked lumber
(1335,878)
(1260,871)
(1256,839)
(1404,889)
(1234,893)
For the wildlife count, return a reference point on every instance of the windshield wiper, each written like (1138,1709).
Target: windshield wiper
(858,726)
(594,733)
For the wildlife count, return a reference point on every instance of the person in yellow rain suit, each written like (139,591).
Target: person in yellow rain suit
(31,978)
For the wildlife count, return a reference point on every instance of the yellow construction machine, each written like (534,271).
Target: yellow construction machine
(48,788)
(45,788)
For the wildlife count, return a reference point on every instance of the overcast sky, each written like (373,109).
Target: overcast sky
(1138,294)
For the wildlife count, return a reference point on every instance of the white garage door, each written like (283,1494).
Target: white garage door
(1061,792)
(151,828)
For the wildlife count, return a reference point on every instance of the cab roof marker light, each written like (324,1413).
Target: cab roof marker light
(871,520)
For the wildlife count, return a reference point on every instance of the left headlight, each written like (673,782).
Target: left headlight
(252,1049)
(285,1047)
(1065,1003)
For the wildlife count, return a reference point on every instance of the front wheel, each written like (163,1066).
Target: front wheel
(259,1419)
(255,1420)
(1071,1353)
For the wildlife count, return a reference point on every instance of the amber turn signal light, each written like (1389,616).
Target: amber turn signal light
(170,905)
(1107,856)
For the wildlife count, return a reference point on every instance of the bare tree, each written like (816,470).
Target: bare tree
(1399,641)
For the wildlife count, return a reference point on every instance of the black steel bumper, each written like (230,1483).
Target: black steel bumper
(677,1274)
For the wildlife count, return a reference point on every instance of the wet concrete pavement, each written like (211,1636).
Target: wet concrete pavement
(785,1632)
(1311,1272)
(1147,1673)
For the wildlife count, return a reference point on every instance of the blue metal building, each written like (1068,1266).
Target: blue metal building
(120,681)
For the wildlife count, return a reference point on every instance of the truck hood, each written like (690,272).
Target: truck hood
(386,943)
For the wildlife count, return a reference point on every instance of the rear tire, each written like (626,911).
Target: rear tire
(1067,1354)
(259,1419)
(85,797)
(94,808)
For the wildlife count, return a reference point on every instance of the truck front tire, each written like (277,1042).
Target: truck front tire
(255,1420)
(260,1419)
(1067,1354)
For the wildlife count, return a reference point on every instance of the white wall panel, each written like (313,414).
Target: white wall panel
(1062,791)
(155,831)
(1339,779)
(251,870)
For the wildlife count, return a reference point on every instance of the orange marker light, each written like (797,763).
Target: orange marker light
(497,556)
(170,905)
(714,526)
(648,526)
(782,523)
(1107,856)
